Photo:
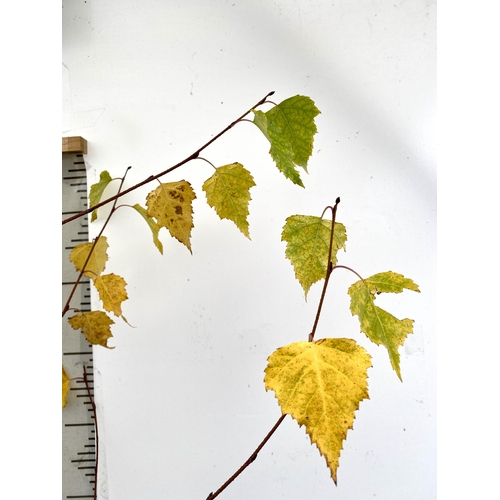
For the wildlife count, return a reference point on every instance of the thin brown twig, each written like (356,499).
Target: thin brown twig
(250,460)
(96,467)
(153,177)
(329,269)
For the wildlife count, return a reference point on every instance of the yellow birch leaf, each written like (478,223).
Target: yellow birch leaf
(65,386)
(95,326)
(112,292)
(97,262)
(96,191)
(321,384)
(171,205)
(228,192)
(378,325)
(152,225)
(308,242)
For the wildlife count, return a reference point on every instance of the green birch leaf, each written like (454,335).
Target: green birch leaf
(260,119)
(308,241)
(377,324)
(290,128)
(96,191)
(228,192)
(152,225)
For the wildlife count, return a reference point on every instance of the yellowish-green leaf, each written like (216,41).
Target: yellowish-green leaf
(228,192)
(377,324)
(65,386)
(152,225)
(321,384)
(97,262)
(308,242)
(95,326)
(112,292)
(171,205)
(96,191)
(290,128)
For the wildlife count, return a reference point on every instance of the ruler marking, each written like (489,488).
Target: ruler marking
(81,444)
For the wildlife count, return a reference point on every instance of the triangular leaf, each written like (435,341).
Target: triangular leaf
(321,384)
(65,386)
(96,191)
(377,324)
(112,292)
(97,262)
(228,192)
(290,128)
(294,118)
(152,225)
(171,205)
(281,149)
(308,242)
(95,326)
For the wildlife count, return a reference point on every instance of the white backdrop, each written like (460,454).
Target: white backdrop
(181,398)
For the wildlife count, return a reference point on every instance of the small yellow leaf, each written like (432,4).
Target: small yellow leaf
(65,386)
(321,384)
(228,191)
(95,326)
(171,205)
(97,262)
(112,292)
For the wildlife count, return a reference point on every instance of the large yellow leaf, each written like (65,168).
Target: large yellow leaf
(321,384)
(171,205)
(308,242)
(228,191)
(97,262)
(65,386)
(112,292)
(95,326)
(379,326)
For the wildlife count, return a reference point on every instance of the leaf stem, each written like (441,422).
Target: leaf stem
(94,243)
(329,269)
(349,269)
(186,160)
(209,162)
(250,459)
